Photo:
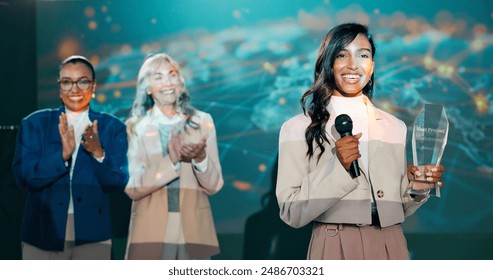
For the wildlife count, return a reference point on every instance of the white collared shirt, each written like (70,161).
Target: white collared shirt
(79,121)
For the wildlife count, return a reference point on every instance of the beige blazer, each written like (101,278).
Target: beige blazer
(150,173)
(324,191)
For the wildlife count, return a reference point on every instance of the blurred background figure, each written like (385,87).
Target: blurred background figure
(174,167)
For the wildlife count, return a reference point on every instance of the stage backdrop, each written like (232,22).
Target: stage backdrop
(248,63)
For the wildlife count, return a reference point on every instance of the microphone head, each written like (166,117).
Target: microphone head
(343,124)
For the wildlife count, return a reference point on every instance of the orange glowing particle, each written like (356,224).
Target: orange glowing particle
(481,103)
(101,98)
(242,186)
(117,94)
(262,167)
(95,60)
(89,12)
(479,29)
(68,47)
(126,49)
(92,25)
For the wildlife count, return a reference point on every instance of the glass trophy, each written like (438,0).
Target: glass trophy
(429,138)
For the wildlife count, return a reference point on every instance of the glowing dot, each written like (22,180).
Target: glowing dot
(269,67)
(117,94)
(145,48)
(114,69)
(104,8)
(376,11)
(101,98)
(481,103)
(126,49)
(94,60)
(479,29)
(449,70)
(153,20)
(441,69)
(92,25)
(387,106)
(445,70)
(236,14)
(428,61)
(477,45)
(242,186)
(262,167)
(68,47)
(404,58)
(282,101)
(89,12)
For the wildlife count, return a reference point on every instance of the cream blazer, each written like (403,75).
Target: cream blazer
(324,191)
(150,173)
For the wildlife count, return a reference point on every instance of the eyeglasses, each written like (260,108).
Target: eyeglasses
(67,84)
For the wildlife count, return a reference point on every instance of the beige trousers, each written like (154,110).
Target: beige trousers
(351,242)
(91,251)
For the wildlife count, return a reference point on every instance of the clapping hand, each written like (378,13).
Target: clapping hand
(91,140)
(67,137)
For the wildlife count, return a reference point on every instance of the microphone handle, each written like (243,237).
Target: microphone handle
(354,167)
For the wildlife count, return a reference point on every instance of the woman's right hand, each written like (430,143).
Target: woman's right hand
(175,143)
(347,150)
(67,137)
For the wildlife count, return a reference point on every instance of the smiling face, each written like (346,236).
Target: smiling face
(75,98)
(165,85)
(353,67)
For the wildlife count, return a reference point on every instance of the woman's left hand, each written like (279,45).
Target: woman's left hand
(91,140)
(427,173)
(195,151)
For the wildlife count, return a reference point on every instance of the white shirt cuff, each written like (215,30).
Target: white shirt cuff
(101,158)
(200,166)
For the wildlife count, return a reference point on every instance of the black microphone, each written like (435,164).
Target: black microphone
(344,125)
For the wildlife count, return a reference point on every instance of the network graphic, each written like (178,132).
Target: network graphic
(250,76)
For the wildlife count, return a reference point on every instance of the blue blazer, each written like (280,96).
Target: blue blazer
(39,168)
